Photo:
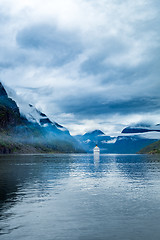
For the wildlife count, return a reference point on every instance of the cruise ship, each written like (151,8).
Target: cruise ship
(96,150)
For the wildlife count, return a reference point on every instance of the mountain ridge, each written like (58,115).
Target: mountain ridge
(24,129)
(18,134)
(125,143)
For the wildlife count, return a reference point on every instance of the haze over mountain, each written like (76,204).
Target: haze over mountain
(23,128)
(131,140)
(31,131)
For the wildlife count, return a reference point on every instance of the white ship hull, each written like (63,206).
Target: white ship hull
(96,151)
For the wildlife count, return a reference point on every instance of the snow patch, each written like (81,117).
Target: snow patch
(112,141)
(30,112)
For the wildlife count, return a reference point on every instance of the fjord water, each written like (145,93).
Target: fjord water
(77,196)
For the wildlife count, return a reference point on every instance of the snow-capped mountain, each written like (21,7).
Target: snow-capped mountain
(126,142)
(32,114)
(96,137)
(23,126)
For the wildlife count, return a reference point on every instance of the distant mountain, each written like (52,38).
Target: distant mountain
(94,134)
(24,129)
(30,131)
(131,144)
(132,139)
(96,137)
(125,143)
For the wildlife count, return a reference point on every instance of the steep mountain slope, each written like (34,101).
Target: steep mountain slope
(33,132)
(9,112)
(152,148)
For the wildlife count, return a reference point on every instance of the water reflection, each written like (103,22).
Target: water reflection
(19,175)
(132,167)
(96,159)
(79,197)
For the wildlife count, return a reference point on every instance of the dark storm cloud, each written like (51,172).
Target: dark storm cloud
(93,106)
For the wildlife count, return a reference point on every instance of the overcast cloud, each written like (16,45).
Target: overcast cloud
(86,63)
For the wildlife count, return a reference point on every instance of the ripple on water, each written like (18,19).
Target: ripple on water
(69,196)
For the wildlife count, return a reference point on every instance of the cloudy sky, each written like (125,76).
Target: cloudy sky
(88,64)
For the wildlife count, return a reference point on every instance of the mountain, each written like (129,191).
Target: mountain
(25,129)
(152,148)
(96,137)
(9,112)
(125,143)
(94,134)
(37,117)
(30,131)
(131,144)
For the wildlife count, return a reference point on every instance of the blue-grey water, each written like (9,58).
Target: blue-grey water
(77,197)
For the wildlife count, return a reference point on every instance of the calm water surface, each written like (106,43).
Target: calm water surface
(77,197)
